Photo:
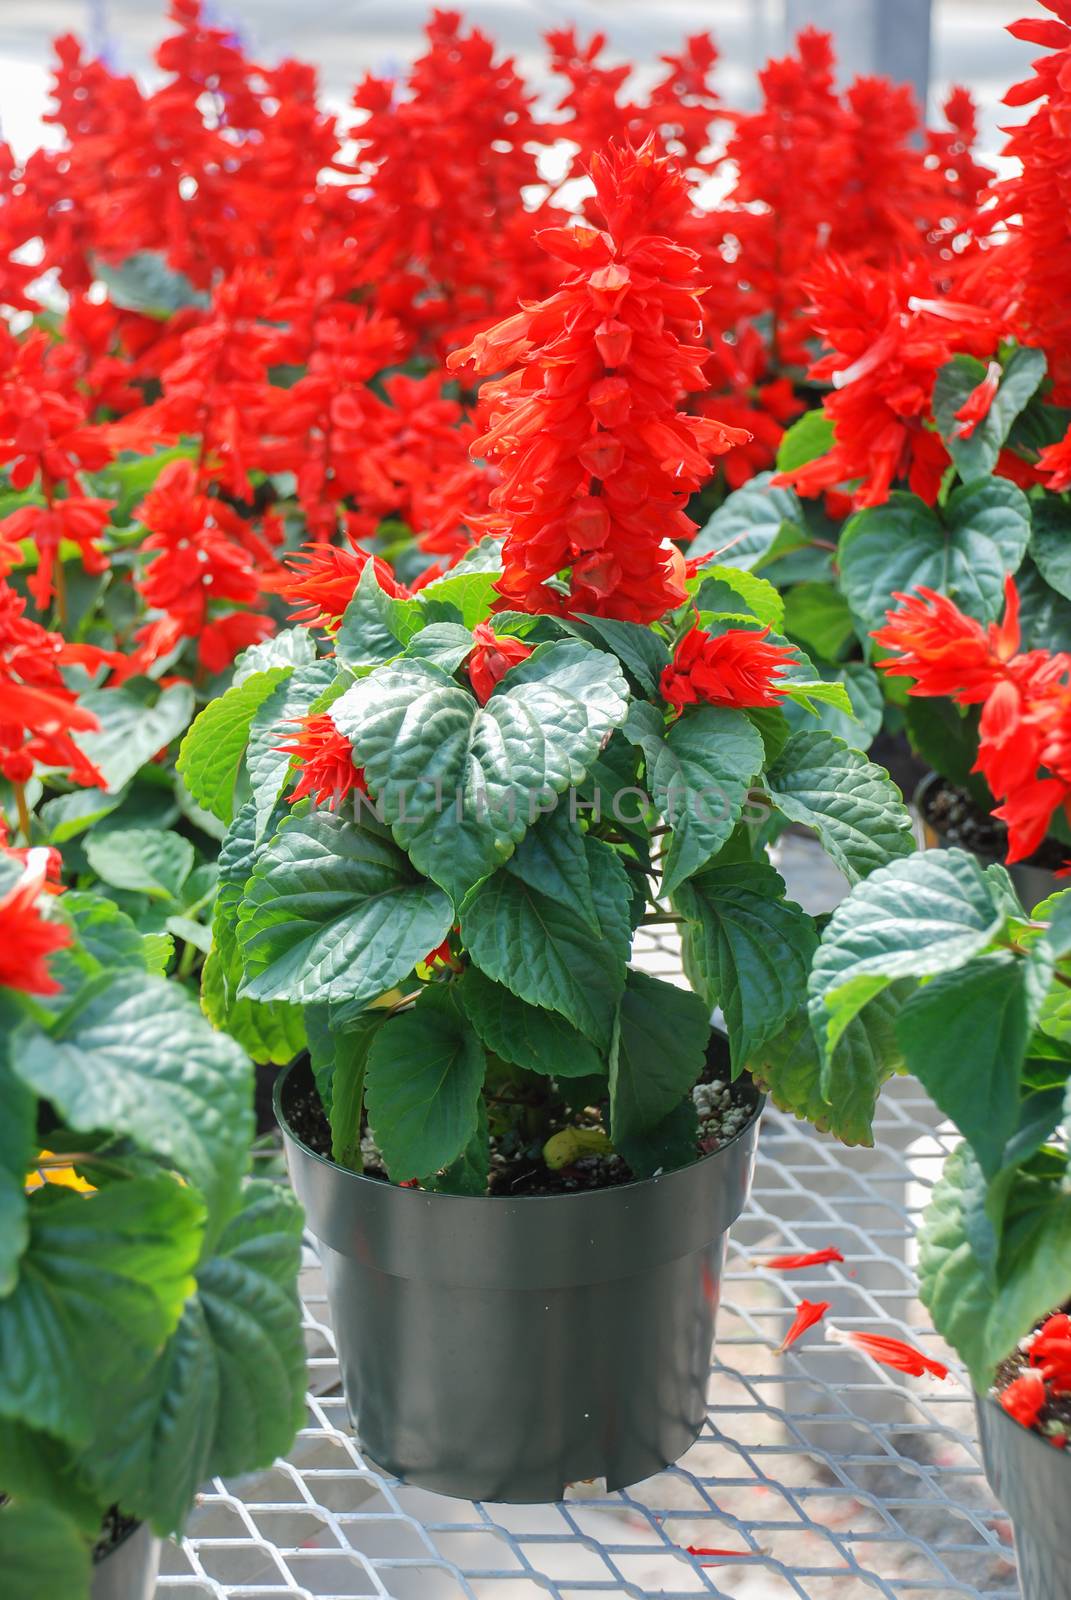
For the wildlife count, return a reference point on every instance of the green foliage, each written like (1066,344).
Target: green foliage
(211,753)
(853,806)
(136,721)
(658,1053)
(808,438)
(753,525)
(976,456)
(424,1076)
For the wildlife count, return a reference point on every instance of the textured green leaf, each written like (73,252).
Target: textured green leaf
(544,950)
(472,593)
(444,644)
(424,1075)
(68,815)
(136,1056)
(747,950)
(807,439)
(227,1393)
(147,860)
(1050,545)
(745,526)
(723,588)
(470,1173)
(854,807)
(18,1146)
(699,776)
(840,1096)
(460,784)
(348,1068)
(902,544)
(146,283)
(529,1036)
(1045,615)
(639,648)
(982,1322)
(101,1285)
(921,915)
(658,1053)
(211,753)
(335,912)
(290,647)
(858,727)
(42,1553)
(818,615)
(975,457)
(136,721)
(375,626)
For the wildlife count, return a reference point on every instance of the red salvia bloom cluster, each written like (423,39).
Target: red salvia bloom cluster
(491,658)
(890,333)
(597,461)
(1024,748)
(321,580)
(38,713)
(325,758)
(27,937)
(734,668)
(1046,1376)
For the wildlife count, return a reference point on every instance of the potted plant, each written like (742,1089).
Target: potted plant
(149,1320)
(977,991)
(520,1156)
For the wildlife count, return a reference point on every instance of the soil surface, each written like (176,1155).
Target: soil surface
(952,813)
(114,1530)
(1055,1418)
(724,1108)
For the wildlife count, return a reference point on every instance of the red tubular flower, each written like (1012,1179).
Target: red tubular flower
(322,579)
(808,1312)
(794,1263)
(945,651)
(1055,463)
(38,713)
(734,668)
(597,462)
(27,938)
(977,405)
(889,1352)
(1025,1397)
(328,771)
(491,658)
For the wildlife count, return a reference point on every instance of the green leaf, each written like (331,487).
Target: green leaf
(853,806)
(18,1147)
(375,626)
(146,283)
(68,815)
(42,1553)
(641,650)
(335,912)
(841,1096)
(136,1056)
(268,1031)
(290,647)
(859,727)
(700,774)
(460,784)
(227,1393)
(746,949)
(136,721)
(1050,545)
(444,644)
(529,1036)
(984,1323)
(101,1285)
(671,1143)
(946,737)
(469,1174)
(146,860)
(658,1053)
(721,588)
(927,913)
(107,940)
(819,616)
(743,530)
(820,691)
(545,950)
(472,593)
(1045,615)
(211,753)
(351,1047)
(976,456)
(898,546)
(964,1036)
(807,439)
(424,1076)
(295,697)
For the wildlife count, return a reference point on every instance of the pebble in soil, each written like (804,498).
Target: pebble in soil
(723,1107)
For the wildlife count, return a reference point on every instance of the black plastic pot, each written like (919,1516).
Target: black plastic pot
(500,1349)
(128,1571)
(1032,884)
(1032,1480)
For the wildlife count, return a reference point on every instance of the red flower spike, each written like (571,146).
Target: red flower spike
(1025,1397)
(808,1312)
(978,403)
(734,668)
(321,580)
(328,772)
(27,939)
(889,1352)
(794,1263)
(38,713)
(491,658)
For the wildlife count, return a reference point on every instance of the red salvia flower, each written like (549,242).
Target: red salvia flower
(945,651)
(1050,1351)
(321,580)
(734,668)
(808,1312)
(1025,1398)
(794,1263)
(1054,463)
(597,461)
(491,658)
(38,713)
(328,771)
(977,405)
(27,938)
(889,1352)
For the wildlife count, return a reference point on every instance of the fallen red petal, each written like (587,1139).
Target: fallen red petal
(793,1263)
(808,1312)
(890,1352)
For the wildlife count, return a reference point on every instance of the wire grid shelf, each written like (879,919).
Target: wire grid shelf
(817,1475)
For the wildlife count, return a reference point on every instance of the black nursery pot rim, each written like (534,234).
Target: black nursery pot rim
(424,1195)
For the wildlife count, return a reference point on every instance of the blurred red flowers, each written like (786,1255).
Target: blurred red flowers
(27,938)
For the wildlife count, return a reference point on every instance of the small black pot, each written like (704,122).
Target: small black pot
(1032,1480)
(500,1349)
(1032,884)
(128,1571)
